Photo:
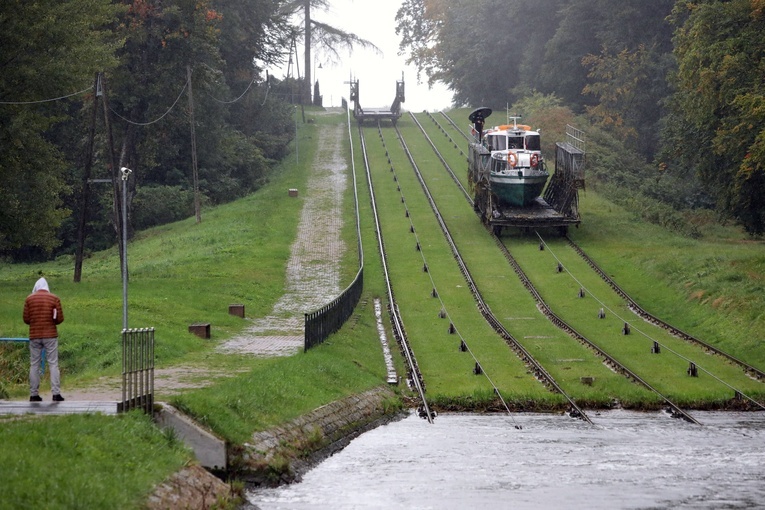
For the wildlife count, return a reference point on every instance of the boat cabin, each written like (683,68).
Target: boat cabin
(503,139)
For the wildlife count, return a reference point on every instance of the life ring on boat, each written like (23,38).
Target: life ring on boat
(512,159)
(534,159)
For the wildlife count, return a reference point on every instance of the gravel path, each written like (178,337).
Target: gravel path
(313,270)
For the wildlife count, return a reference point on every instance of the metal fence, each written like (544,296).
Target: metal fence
(329,318)
(137,370)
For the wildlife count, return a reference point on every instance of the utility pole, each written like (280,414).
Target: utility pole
(194,168)
(115,171)
(79,252)
(125,172)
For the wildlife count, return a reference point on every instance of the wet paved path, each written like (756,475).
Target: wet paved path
(313,270)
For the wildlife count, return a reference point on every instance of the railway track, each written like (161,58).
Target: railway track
(642,313)
(537,369)
(414,374)
(547,311)
(631,303)
(655,327)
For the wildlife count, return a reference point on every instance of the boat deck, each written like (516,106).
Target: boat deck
(539,214)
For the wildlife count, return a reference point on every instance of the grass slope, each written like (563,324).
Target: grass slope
(187,272)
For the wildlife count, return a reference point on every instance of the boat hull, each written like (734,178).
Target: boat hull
(515,190)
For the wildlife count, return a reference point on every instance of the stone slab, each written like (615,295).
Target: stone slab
(209,450)
(66,407)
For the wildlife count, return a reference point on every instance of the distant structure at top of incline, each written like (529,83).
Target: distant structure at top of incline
(377,114)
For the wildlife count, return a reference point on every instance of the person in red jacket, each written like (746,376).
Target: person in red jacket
(43,312)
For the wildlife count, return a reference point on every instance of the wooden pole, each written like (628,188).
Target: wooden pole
(78,255)
(194,168)
(115,171)
(306,93)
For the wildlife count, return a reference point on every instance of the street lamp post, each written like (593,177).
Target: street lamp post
(125,175)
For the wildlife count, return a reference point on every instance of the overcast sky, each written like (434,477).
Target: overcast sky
(374,20)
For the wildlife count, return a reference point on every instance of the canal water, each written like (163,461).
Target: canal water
(627,460)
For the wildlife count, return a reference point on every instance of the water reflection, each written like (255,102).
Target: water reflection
(627,460)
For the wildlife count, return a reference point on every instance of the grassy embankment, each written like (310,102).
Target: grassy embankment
(184,273)
(84,461)
(666,372)
(180,273)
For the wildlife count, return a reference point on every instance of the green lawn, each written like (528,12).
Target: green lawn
(187,272)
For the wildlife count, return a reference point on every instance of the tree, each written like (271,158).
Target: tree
(629,87)
(163,40)
(47,50)
(326,37)
(718,111)
(471,47)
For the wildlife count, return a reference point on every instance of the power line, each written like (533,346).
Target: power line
(235,100)
(157,119)
(48,100)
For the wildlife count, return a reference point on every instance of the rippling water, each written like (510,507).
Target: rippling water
(626,460)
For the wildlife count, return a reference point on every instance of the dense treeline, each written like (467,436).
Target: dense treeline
(673,91)
(50,53)
(677,83)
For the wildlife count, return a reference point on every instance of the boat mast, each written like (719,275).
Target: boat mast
(515,120)
(514,117)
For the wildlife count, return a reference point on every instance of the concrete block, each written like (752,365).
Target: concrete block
(201,329)
(209,450)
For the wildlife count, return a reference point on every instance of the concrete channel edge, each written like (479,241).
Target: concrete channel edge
(303,442)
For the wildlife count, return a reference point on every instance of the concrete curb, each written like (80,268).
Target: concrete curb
(209,450)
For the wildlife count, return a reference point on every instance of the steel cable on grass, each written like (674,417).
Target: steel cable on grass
(606,307)
(455,126)
(451,140)
(485,311)
(441,302)
(397,323)
(448,316)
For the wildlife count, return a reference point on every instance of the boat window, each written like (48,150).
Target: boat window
(497,142)
(498,165)
(533,143)
(515,142)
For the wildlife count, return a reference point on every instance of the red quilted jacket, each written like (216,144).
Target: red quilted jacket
(42,311)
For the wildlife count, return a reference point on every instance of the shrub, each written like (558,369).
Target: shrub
(157,205)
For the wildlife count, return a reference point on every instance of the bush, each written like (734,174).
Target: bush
(157,205)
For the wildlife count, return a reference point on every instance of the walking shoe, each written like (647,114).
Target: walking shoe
(35,398)
(58,398)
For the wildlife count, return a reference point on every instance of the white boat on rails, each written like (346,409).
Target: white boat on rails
(517,170)
(507,175)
